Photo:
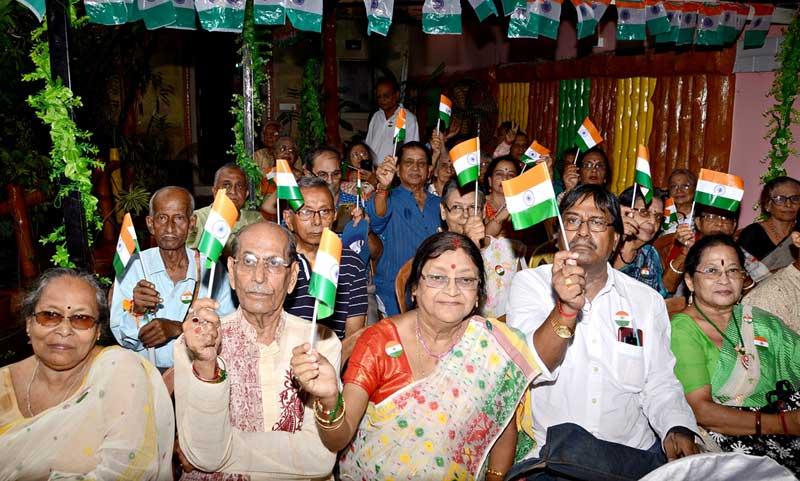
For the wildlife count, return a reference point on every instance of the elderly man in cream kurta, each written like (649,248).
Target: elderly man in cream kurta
(240,413)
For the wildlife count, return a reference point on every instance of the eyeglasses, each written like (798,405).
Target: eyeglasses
(718,219)
(286,149)
(459,210)
(273,264)
(328,176)
(645,213)
(735,273)
(594,166)
(80,322)
(596,224)
(306,214)
(783,199)
(436,281)
(680,187)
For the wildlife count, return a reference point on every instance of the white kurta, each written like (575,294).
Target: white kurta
(380,134)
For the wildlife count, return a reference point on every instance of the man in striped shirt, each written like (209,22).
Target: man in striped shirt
(307,224)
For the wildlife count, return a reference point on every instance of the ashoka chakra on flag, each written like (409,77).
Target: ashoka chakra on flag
(220,229)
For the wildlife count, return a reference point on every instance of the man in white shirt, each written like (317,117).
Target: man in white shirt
(601,338)
(380,134)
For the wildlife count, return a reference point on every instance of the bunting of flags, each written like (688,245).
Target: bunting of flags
(755,34)
(269,12)
(441,17)
(379,16)
(483,8)
(218,228)
(548,15)
(708,25)
(630,20)
(656,17)
(586,22)
(530,197)
(304,14)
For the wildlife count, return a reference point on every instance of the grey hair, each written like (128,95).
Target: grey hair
(311,181)
(34,295)
(164,190)
(291,243)
(229,166)
(452,186)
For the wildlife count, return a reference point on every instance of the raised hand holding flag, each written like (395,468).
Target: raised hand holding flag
(325,278)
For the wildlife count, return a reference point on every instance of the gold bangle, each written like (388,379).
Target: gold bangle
(493,472)
(329,425)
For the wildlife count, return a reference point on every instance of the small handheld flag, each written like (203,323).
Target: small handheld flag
(218,228)
(466,161)
(359,193)
(445,111)
(325,277)
(588,135)
(530,198)
(126,246)
(670,213)
(535,153)
(287,185)
(642,178)
(720,190)
(400,126)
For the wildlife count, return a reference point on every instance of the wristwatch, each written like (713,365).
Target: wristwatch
(562,331)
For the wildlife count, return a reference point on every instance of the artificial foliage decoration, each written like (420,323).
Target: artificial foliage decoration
(782,115)
(310,125)
(72,155)
(259,48)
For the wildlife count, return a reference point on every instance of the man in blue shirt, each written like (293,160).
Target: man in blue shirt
(402,218)
(148,307)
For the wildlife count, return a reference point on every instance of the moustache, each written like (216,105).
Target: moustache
(582,243)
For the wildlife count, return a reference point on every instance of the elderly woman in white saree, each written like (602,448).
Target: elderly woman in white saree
(75,410)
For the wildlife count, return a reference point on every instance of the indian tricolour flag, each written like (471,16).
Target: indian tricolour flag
(185,15)
(400,126)
(720,190)
(586,21)
(445,110)
(708,26)
(599,8)
(325,274)
(287,185)
(642,176)
(727,23)
(126,246)
(656,17)
(269,12)
(548,14)
(106,12)
(588,135)
(674,15)
(534,153)
(379,16)
(441,17)
(157,13)
(530,197)
(466,161)
(305,14)
(670,213)
(218,228)
(755,33)
(220,15)
(630,20)
(688,24)
(483,8)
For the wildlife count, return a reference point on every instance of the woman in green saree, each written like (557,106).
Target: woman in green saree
(730,356)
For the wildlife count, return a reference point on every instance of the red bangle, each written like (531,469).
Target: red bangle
(783,422)
(563,314)
(758,423)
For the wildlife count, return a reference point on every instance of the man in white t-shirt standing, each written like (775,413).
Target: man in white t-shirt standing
(380,135)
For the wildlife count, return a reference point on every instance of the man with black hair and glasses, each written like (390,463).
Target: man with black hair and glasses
(602,340)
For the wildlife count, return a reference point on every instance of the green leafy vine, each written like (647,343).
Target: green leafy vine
(310,123)
(259,48)
(782,115)
(72,154)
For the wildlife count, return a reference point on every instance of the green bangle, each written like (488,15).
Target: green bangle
(339,402)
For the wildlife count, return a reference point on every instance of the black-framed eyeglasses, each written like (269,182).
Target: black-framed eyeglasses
(329,176)
(273,264)
(438,281)
(784,199)
(459,210)
(80,322)
(306,213)
(573,223)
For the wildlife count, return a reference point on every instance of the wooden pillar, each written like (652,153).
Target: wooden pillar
(17,206)
(330,76)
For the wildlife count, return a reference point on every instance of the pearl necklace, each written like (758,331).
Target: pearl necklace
(425,347)
(66,393)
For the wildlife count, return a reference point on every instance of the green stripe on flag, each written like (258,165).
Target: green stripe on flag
(159,15)
(444,118)
(211,247)
(581,144)
(437,23)
(378,24)
(484,9)
(221,19)
(307,21)
(119,266)
(548,27)
(626,31)
(292,195)
(185,19)
(534,215)
(323,290)
(586,28)
(269,14)
(468,175)
(510,5)
(755,38)
(716,201)
(107,13)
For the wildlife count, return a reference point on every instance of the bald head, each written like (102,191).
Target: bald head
(168,193)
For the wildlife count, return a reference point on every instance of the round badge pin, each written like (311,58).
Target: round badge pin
(622,319)
(499,270)
(186,297)
(394,349)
